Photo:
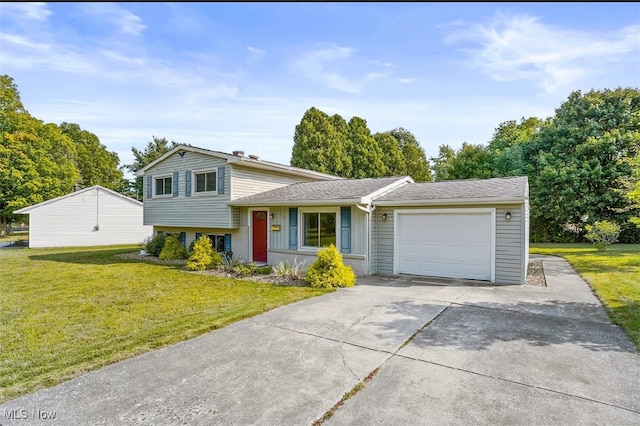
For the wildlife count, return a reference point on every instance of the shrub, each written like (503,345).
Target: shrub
(203,256)
(328,271)
(602,234)
(288,271)
(173,249)
(156,244)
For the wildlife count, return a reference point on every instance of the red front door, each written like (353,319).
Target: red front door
(259,225)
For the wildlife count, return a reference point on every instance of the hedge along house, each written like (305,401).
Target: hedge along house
(266,212)
(93,216)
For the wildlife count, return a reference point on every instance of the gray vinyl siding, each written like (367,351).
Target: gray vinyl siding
(208,211)
(251,181)
(510,250)
(279,239)
(382,242)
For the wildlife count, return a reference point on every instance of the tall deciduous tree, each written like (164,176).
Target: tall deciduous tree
(469,162)
(318,146)
(155,148)
(365,153)
(415,160)
(507,146)
(391,154)
(96,164)
(37,161)
(578,162)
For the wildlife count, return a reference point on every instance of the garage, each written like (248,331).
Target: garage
(453,243)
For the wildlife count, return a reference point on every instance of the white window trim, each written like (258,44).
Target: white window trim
(215,235)
(193,183)
(301,211)
(155,178)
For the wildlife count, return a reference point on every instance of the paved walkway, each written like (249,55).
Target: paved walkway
(445,355)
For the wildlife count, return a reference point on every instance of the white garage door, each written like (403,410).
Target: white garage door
(445,243)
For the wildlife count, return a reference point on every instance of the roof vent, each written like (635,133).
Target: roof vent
(254,157)
(238,153)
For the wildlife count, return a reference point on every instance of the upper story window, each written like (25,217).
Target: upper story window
(205,182)
(163,185)
(319,229)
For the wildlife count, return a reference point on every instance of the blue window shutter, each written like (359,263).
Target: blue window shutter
(227,242)
(220,180)
(175,183)
(293,228)
(183,239)
(149,186)
(198,235)
(187,183)
(345,229)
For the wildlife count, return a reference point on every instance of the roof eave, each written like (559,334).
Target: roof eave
(456,201)
(328,202)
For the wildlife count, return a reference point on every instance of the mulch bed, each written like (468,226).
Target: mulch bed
(535,274)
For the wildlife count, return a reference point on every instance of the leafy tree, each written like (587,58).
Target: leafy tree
(365,153)
(506,146)
(341,128)
(415,160)
(317,145)
(155,149)
(634,192)
(96,164)
(602,234)
(391,154)
(469,162)
(173,249)
(577,163)
(37,161)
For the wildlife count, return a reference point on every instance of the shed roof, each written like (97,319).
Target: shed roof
(27,210)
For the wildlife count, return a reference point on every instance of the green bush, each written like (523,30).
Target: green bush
(156,244)
(602,234)
(328,271)
(203,256)
(173,249)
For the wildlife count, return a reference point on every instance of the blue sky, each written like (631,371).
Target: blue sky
(239,76)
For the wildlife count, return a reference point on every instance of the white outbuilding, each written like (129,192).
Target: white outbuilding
(93,216)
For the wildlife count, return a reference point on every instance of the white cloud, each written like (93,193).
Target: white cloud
(315,65)
(36,11)
(127,22)
(406,80)
(255,54)
(515,48)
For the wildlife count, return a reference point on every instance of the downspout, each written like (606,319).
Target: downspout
(367,261)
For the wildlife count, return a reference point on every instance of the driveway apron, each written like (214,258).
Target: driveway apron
(439,354)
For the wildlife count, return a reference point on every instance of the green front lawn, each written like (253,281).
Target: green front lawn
(66,311)
(613,274)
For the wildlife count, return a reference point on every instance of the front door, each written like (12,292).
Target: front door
(259,226)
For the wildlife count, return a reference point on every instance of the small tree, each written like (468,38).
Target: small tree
(156,244)
(203,256)
(602,234)
(328,271)
(173,249)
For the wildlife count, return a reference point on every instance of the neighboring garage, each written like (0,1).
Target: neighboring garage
(471,229)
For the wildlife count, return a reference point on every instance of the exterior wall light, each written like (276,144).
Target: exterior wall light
(271,216)
(507,215)
(384,216)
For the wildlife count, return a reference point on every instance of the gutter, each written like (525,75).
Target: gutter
(453,201)
(369,209)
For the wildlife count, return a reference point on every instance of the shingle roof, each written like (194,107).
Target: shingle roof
(328,192)
(511,188)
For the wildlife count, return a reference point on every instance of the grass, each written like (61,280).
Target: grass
(614,275)
(67,311)
(15,236)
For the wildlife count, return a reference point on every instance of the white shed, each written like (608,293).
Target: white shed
(94,216)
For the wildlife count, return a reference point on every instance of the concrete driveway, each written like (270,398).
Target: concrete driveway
(443,354)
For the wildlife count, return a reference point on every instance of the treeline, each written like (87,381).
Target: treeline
(330,144)
(40,161)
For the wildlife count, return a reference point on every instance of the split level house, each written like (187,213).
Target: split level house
(265,212)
